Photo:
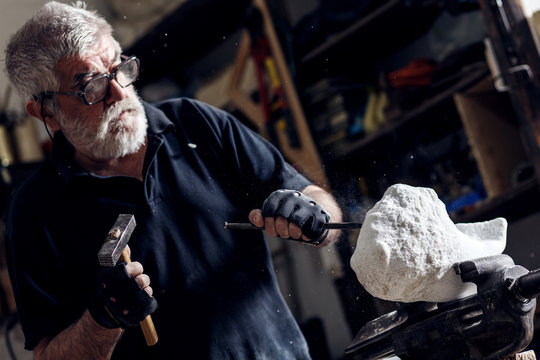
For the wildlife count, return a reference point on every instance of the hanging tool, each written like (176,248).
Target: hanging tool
(275,107)
(7,157)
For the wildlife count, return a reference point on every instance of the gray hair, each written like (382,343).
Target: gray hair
(55,32)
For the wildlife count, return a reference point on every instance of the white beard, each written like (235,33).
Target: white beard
(113,138)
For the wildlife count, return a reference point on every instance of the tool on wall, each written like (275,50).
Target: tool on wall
(273,102)
(495,323)
(7,156)
(303,153)
(114,250)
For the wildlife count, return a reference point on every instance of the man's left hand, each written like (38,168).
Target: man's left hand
(291,214)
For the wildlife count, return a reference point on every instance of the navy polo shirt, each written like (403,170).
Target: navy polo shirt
(217,293)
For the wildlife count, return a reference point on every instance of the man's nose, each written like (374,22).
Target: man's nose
(116,92)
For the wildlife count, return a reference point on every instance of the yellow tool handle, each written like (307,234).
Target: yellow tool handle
(147,325)
(149,331)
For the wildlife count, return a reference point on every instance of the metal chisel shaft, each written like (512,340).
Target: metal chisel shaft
(331,225)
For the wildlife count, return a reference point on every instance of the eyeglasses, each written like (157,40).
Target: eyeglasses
(97,88)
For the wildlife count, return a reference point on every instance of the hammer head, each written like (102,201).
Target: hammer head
(116,240)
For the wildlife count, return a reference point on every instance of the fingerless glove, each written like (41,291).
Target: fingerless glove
(120,301)
(299,209)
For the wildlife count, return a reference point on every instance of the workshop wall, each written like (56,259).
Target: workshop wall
(130,20)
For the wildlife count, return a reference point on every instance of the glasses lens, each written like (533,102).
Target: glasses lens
(127,72)
(96,89)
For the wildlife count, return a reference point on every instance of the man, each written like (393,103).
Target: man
(182,168)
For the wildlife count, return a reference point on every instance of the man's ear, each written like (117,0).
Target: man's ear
(34,108)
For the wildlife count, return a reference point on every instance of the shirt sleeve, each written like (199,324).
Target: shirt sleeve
(37,271)
(31,278)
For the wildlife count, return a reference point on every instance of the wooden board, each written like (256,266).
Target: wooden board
(493,134)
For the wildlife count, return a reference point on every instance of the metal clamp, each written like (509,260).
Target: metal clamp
(513,78)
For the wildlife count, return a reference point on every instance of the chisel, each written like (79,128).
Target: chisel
(331,225)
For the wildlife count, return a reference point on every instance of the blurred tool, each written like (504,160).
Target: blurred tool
(275,107)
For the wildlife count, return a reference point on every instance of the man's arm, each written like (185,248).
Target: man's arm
(285,229)
(85,339)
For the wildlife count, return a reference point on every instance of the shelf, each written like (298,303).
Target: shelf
(336,39)
(348,147)
(375,35)
(518,203)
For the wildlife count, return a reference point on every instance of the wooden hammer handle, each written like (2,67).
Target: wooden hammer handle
(147,325)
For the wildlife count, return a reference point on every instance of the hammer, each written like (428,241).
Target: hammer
(113,250)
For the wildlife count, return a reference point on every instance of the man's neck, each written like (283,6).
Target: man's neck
(129,165)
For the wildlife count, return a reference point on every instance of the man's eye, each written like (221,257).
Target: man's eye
(90,78)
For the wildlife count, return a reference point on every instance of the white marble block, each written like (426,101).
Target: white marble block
(408,244)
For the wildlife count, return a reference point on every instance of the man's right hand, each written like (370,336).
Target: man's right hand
(124,297)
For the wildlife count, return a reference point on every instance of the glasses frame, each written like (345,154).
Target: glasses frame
(110,76)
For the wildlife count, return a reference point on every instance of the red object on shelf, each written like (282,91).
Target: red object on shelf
(418,72)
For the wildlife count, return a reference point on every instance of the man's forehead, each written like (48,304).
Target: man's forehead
(95,60)
(105,48)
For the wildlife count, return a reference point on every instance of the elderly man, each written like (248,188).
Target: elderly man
(181,168)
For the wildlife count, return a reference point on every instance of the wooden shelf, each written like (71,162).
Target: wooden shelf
(348,147)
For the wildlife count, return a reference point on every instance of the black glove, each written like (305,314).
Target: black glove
(120,300)
(299,209)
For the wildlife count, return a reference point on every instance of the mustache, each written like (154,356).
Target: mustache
(112,113)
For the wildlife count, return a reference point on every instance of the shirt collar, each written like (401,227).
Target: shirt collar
(158,122)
